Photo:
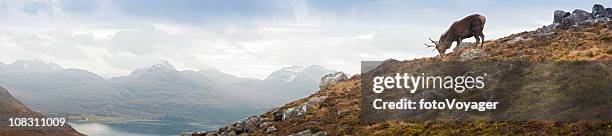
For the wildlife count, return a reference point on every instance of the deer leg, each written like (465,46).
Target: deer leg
(477,40)
(458,43)
(483,39)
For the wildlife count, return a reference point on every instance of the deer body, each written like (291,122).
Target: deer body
(470,26)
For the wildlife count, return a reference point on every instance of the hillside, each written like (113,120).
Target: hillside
(335,109)
(11,107)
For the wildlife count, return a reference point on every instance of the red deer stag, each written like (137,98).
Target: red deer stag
(465,28)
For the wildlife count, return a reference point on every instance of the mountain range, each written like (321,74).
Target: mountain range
(156,92)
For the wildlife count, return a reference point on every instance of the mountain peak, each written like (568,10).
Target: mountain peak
(288,74)
(164,66)
(34,66)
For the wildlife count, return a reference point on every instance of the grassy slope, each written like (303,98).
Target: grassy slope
(339,114)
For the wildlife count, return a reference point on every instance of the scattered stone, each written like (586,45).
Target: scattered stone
(471,54)
(559,15)
(308,132)
(332,79)
(270,129)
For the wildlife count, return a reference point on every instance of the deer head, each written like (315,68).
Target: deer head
(441,47)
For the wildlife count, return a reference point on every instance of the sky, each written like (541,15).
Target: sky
(247,38)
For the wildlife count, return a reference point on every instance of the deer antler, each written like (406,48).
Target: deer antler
(429,45)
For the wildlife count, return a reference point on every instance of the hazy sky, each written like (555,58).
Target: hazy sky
(247,38)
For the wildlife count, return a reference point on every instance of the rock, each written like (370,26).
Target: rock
(185,134)
(332,79)
(465,45)
(270,129)
(602,19)
(542,36)
(559,15)
(597,11)
(609,12)
(515,40)
(277,115)
(292,112)
(251,123)
(586,23)
(548,29)
(581,14)
(471,54)
(303,108)
(265,124)
(576,17)
(308,132)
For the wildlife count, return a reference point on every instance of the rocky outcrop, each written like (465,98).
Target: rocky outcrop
(332,79)
(582,18)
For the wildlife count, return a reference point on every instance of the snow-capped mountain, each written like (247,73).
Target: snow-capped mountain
(293,73)
(31,66)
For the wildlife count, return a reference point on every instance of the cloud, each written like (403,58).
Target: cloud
(249,38)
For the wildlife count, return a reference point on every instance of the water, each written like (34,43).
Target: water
(149,128)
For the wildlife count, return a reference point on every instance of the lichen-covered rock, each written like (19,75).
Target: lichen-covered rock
(559,15)
(515,40)
(308,132)
(303,108)
(332,79)
(471,54)
(265,124)
(270,129)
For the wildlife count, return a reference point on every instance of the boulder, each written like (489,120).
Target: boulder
(576,17)
(332,79)
(277,115)
(581,14)
(265,124)
(471,54)
(559,15)
(251,123)
(270,129)
(465,45)
(608,11)
(515,40)
(308,132)
(548,29)
(597,11)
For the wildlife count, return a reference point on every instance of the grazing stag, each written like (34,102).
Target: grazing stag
(465,28)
